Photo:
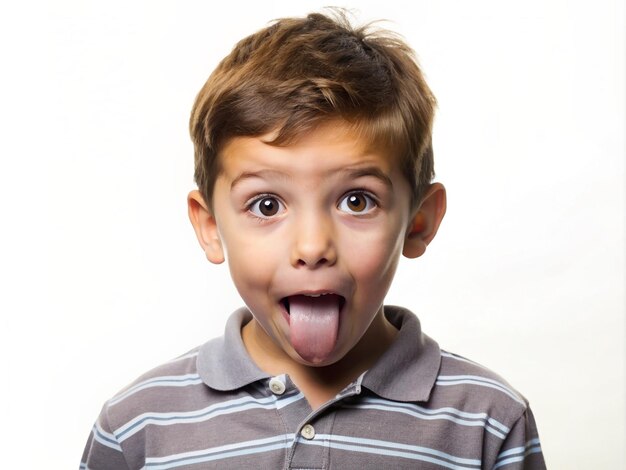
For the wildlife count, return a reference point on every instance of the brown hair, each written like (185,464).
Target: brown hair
(301,72)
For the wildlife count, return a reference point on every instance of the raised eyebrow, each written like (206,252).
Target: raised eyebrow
(261,174)
(370,171)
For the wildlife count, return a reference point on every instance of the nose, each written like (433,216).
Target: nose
(314,244)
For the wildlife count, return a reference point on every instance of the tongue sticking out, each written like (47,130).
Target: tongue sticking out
(314,322)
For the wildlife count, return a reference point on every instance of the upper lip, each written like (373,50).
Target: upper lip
(315,292)
(339,286)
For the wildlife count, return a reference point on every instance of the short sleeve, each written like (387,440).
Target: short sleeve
(103,451)
(521,449)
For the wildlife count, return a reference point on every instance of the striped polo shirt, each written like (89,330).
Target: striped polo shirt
(418,407)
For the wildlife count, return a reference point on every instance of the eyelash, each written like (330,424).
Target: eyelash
(371,201)
(256,200)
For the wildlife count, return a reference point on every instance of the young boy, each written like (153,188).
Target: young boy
(314,165)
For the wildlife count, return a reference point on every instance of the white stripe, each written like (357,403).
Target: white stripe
(462,359)
(463,414)
(401,454)
(396,449)
(220,452)
(163,381)
(478,380)
(287,400)
(519,458)
(103,437)
(195,416)
(464,419)
(204,414)
(519,450)
(447,409)
(495,432)
(394,445)
(225,455)
(497,424)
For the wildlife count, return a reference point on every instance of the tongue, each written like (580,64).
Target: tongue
(313,323)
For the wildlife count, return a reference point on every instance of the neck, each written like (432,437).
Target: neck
(320,384)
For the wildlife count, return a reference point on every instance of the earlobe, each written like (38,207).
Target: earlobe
(205,226)
(425,222)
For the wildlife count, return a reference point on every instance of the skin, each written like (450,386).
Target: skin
(327,214)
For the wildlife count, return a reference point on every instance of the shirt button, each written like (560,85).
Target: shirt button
(277,386)
(308,431)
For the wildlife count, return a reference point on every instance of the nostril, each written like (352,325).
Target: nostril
(319,262)
(312,252)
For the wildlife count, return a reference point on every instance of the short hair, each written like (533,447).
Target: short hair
(299,73)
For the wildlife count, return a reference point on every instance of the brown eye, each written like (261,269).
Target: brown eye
(266,207)
(357,203)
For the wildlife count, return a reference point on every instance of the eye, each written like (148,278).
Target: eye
(357,203)
(266,207)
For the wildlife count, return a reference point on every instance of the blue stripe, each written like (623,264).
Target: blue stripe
(376,443)
(209,458)
(517,454)
(256,446)
(429,415)
(288,399)
(498,424)
(172,418)
(105,438)
(165,381)
(444,380)
(436,411)
(391,449)
(218,409)
(478,378)
(519,458)
(518,450)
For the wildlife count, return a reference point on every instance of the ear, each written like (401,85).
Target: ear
(425,222)
(205,226)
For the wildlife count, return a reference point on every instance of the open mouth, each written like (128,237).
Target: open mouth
(320,299)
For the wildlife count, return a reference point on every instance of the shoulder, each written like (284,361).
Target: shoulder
(156,397)
(462,381)
(179,371)
(175,381)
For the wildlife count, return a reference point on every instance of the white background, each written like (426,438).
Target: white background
(101,276)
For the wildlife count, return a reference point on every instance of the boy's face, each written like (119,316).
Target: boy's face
(312,233)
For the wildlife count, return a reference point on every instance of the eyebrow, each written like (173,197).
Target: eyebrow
(263,174)
(353,173)
(371,171)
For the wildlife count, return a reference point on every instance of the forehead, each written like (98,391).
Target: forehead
(333,146)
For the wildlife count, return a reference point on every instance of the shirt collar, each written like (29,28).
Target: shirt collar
(407,371)
(224,364)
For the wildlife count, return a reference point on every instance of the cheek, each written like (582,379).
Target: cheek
(252,262)
(373,257)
